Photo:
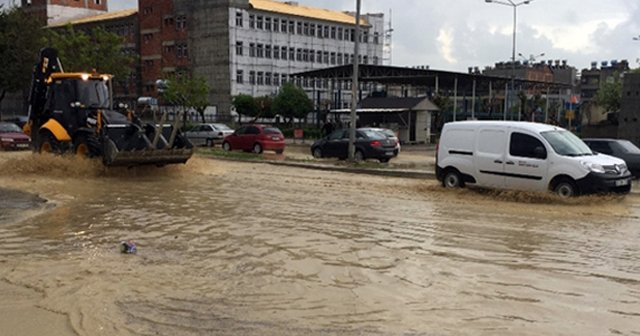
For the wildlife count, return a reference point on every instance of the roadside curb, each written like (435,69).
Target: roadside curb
(400,173)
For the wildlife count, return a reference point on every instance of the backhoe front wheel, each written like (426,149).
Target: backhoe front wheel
(86,146)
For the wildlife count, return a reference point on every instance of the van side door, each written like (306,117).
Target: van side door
(490,156)
(526,166)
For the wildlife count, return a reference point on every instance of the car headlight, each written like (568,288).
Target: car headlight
(6,140)
(593,167)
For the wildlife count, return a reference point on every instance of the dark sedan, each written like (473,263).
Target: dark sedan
(369,145)
(623,149)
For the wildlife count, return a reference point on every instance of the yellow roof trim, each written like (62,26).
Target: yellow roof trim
(304,11)
(96,18)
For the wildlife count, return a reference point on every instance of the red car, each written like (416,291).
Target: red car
(11,137)
(255,138)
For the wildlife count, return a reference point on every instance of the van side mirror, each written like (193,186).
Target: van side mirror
(540,153)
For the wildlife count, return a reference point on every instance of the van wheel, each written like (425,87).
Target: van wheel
(565,188)
(452,180)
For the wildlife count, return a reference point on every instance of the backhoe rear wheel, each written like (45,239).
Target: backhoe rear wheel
(47,143)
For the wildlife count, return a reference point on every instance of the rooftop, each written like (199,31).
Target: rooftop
(293,8)
(97,18)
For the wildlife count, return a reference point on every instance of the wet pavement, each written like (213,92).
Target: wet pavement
(236,248)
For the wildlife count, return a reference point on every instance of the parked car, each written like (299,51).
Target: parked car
(525,156)
(12,137)
(623,149)
(390,134)
(369,144)
(208,134)
(255,138)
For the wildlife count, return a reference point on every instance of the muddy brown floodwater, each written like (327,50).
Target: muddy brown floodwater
(227,248)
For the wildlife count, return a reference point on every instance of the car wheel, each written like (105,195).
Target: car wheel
(385,160)
(226,146)
(317,153)
(257,148)
(452,179)
(565,188)
(358,156)
(209,143)
(47,143)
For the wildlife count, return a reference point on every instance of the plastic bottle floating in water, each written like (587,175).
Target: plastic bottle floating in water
(128,247)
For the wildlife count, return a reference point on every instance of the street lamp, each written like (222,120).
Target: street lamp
(515,6)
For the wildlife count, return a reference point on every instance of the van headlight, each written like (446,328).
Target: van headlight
(593,167)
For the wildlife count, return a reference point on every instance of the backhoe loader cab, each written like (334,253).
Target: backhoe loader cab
(74,112)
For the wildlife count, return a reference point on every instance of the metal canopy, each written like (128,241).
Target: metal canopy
(420,77)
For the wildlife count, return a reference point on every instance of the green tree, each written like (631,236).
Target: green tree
(245,105)
(188,92)
(20,40)
(265,107)
(292,102)
(445,105)
(97,49)
(610,94)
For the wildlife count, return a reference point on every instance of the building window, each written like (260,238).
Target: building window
(239,77)
(181,23)
(376,38)
(148,63)
(276,52)
(239,22)
(260,78)
(320,31)
(146,38)
(312,29)
(267,51)
(267,24)
(299,28)
(252,77)
(276,25)
(267,78)
(168,21)
(239,48)
(260,22)
(312,56)
(366,59)
(333,58)
(252,21)
(299,55)
(147,10)
(284,53)
(292,27)
(260,50)
(326,31)
(340,33)
(292,54)
(333,33)
(340,62)
(306,28)
(352,35)
(252,49)
(319,57)
(375,60)
(182,51)
(365,36)
(326,58)
(276,79)
(283,26)
(169,49)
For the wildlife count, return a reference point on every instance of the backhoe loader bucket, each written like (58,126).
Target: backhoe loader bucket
(130,145)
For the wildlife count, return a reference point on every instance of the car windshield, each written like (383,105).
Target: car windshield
(272,130)
(629,147)
(93,93)
(371,134)
(566,143)
(10,128)
(222,127)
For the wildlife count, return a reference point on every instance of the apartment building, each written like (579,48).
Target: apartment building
(249,46)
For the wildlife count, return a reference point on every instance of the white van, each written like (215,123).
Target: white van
(525,156)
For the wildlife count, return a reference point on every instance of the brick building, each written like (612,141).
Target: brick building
(56,11)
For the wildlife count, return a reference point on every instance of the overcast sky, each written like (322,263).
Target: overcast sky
(456,34)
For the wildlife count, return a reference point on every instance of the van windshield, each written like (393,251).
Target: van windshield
(566,143)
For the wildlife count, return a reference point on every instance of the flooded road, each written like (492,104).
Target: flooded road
(228,248)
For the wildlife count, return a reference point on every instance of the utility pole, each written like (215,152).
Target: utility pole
(354,86)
